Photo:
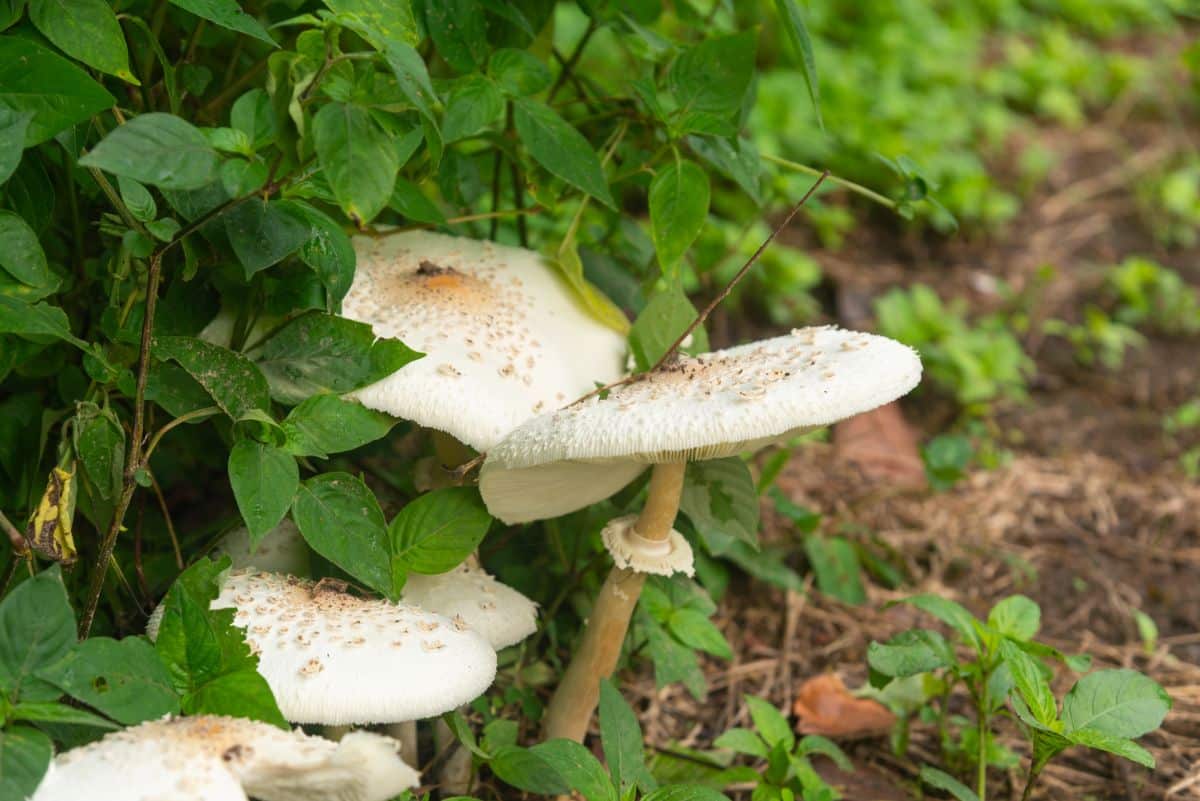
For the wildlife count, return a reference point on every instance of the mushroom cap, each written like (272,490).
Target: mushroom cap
(497,611)
(714,405)
(335,658)
(214,758)
(281,550)
(504,337)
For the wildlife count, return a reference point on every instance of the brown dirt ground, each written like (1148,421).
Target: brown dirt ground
(1092,517)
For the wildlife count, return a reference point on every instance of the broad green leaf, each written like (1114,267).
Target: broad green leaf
(526,770)
(137,199)
(437,531)
(36,321)
(1119,703)
(457,723)
(797,34)
(87,31)
(714,75)
(1017,617)
(21,256)
(100,444)
(251,114)
(473,106)
(412,76)
(13,125)
(695,630)
(770,723)
(685,792)
(719,498)
(621,738)
(328,251)
(673,661)
(25,756)
(264,233)
(124,679)
(61,714)
(158,149)
(326,424)
(390,19)
(738,160)
(743,741)
(678,210)
(578,769)
(408,199)
(339,517)
(232,380)
(1120,746)
(227,14)
(170,386)
(950,613)
(319,353)
(37,628)
(910,653)
(58,93)
(1031,682)
(264,480)
(667,315)
(358,158)
(518,72)
(458,31)
(10,12)
(240,693)
(816,744)
(835,563)
(599,305)
(944,781)
(560,149)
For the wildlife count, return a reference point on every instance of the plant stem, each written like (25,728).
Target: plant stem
(1034,772)
(572,60)
(984,721)
(207,411)
(859,189)
(19,545)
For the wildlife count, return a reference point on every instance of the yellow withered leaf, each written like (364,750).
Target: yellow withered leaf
(50,529)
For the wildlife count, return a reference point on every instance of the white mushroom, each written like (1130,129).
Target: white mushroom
(717,404)
(281,550)
(470,597)
(335,658)
(504,338)
(212,758)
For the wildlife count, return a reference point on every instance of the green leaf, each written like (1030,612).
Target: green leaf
(227,14)
(24,758)
(37,628)
(621,738)
(36,320)
(667,315)
(100,444)
(232,380)
(524,769)
(319,353)
(743,741)
(264,480)
(578,769)
(835,563)
(797,34)
(719,498)
(412,76)
(1119,703)
(474,105)
(408,200)
(87,31)
(561,149)
(137,199)
(1031,683)
(389,19)
(61,714)
(1017,617)
(326,424)
(328,251)
(124,679)
(519,72)
(358,158)
(22,257)
(158,149)
(206,656)
(770,723)
(685,792)
(58,93)
(816,744)
(678,210)
(458,31)
(672,661)
(910,653)
(944,781)
(715,74)
(738,160)
(599,305)
(339,517)
(264,233)
(695,630)
(950,613)
(13,125)
(437,531)
(1120,746)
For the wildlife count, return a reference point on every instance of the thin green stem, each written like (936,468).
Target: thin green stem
(195,414)
(984,728)
(1027,793)
(796,166)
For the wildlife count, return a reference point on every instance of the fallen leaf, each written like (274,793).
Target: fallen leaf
(824,706)
(883,446)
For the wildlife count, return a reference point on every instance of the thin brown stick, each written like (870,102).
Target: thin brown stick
(20,545)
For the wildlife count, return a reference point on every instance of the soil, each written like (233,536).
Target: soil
(1091,515)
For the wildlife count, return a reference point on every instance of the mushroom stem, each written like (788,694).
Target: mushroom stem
(575,700)
(450,453)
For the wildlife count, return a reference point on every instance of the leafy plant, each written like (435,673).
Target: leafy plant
(1006,673)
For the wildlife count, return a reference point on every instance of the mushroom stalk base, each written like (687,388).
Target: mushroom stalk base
(575,700)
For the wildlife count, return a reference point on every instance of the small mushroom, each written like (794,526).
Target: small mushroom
(690,409)
(213,758)
(388,670)
(281,550)
(480,312)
